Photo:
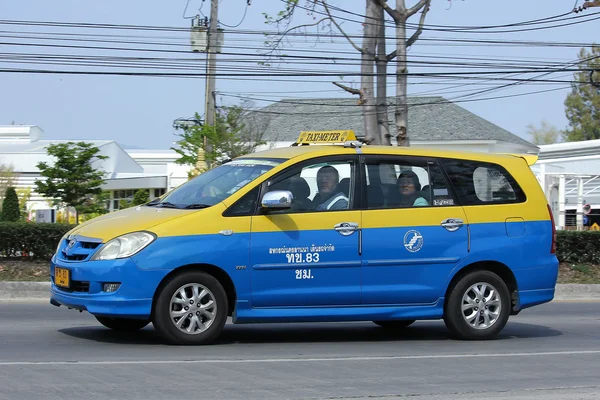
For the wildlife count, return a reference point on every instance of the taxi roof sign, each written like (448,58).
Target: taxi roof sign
(334,136)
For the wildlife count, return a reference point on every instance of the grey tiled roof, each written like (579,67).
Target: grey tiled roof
(429,119)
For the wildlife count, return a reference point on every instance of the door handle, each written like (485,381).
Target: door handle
(346,228)
(452,224)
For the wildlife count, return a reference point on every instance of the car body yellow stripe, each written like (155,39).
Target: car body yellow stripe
(324,220)
(407,217)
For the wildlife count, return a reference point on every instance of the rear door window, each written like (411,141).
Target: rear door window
(403,182)
(480,183)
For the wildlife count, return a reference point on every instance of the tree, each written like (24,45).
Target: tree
(582,105)
(141,196)
(234,134)
(10,206)
(73,180)
(545,134)
(400,15)
(7,179)
(24,195)
(366,92)
(373,54)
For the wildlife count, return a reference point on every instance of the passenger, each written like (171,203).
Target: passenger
(409,189)
(330,196)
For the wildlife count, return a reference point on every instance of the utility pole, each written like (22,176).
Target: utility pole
(211,68)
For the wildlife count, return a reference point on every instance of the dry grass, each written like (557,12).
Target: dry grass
(578,273)
(17,270)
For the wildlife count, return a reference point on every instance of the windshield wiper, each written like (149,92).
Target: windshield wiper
(197,206)
(165,204)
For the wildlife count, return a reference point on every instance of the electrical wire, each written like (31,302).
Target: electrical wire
(294,104)
(235,65)
(469,29)
(428,26)
(180,29)
(243,18)
(270,75)
(185,10)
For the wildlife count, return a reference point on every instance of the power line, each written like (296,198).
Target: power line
(270,75)
(446,42)
(243,17)
(453,29)
(429,26)
(293,104)
(587,17)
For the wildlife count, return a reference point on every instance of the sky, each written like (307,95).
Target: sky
(138,112)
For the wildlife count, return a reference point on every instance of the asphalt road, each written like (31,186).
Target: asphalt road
(548,352)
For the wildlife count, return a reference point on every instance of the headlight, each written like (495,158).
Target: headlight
(124,246)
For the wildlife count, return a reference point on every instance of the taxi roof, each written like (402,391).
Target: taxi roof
(310,151)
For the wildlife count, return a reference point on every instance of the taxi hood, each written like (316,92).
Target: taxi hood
(132,219)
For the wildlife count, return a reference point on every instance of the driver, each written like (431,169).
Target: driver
(330,196)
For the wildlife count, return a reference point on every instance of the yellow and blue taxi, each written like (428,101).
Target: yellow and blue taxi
(325,230)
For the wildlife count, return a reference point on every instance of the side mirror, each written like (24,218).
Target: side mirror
(277,199)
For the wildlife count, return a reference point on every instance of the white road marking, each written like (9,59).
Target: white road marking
(294,360)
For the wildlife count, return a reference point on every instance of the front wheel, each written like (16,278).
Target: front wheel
(191,309)
(478,306)
(123,324)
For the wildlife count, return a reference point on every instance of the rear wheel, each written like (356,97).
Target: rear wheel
(191,309)
(478,306)
(123,324)
(394,325)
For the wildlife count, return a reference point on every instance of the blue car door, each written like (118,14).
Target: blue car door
(414,233)
(308,255)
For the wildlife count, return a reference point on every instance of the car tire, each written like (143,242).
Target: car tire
(123,324)
(478,319)
(179,318)
(395,325)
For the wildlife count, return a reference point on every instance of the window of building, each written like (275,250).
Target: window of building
(122,195)
(159,192)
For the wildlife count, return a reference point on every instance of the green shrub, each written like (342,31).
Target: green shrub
(578,247)
(37,240)
(10,206)
(141,197)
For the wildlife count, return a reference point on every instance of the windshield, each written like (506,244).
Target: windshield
(216,184)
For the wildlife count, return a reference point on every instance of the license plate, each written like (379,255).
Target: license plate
(62,277)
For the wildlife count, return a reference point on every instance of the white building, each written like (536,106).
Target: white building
(569,173)
(23,147)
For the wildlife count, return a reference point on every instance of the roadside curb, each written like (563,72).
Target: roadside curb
(24,291)
(575,291)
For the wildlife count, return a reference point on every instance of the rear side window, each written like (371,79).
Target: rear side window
(479,183)
(404,182)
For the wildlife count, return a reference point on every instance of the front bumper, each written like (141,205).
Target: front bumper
(133,299)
